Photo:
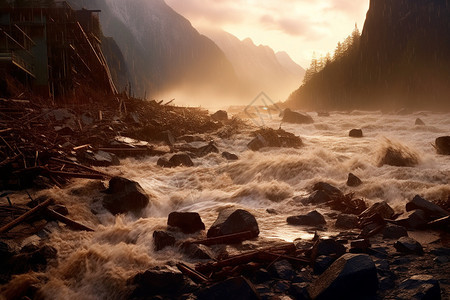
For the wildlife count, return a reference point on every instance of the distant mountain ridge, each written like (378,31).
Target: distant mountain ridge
(402,60)
(259,67)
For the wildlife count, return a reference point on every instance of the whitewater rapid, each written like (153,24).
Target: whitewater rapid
(96,265)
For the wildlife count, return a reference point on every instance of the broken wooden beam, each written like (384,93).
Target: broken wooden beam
(196,276)
(26,215)
(226,239)
(78,175)
(69,222)
(80,166)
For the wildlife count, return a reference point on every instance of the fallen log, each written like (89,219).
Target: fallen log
(78,175)
(266,255)
(69,222)
(80,166)
(196,276)
(26,215)
(226,239)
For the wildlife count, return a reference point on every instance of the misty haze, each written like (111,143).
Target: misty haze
(187,149)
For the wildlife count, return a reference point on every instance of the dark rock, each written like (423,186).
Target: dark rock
(162,240)
(268,137)
(430,208)
(381,208)
(238,288)
(346,221)
(327,188)
(35,259)
(232,221)
(124,195)
(158,281)
(443,145)
(420,287)
(329,247)
(61,209)
(394,232)
(413,219)
(419,122)
(197,251)
(87,118)
(164,162)
(181,159)
(290,116)
(220,115)
(64,130)
(98,158)
(353,276)
(312,218)
(317,197)
(261,275)
(229,156)
(398,156)
(205,150)
(387,282)
(353,180)
(299,291)
(281,286)
(5,252)
(282,269)
(408,245)
(360,246)
(187,222)
(355,133)
(322,263)
(271,211)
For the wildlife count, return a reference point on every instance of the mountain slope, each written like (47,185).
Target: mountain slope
(401,61)
(258,67)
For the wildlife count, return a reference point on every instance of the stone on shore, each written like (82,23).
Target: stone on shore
(420,287)
(394,231)
(408,245)
(381,208)
(124,195)
(413,219)
(187,222)
(346,221)
(313,218)
(237,288)
(290,116)
(428,207)
(232,221)
(353,180)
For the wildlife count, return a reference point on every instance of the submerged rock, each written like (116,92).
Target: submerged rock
(443,145)
(268,137)
(355,133)
(229,156)
(162,239)
(352,276)
(420,287)
(398,156)
(317,197)
(205,150)
(238,288)
(290,116)
(312,218)
(187,222)
(327,188)
(181,159)
(124,195)
(232,221)
(419,122)
(353,180)
(408,245)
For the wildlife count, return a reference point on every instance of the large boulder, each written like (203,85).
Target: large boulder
(290,116)
(346,221)
(220,115)
(237,288)
(268,137)
(443,145)
(124,195)
(313,218)
(181,159)
(381,208)
(353,180)
(352,276)
(413,219)
(232,221)
(162,239)
(327,188)
(408,245)
(398,156)
(355,133)
(428,207)
(187,222)
(420,287)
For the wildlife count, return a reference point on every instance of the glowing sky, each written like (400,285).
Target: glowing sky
(298,27)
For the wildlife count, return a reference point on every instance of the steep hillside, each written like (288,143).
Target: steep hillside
(401,60)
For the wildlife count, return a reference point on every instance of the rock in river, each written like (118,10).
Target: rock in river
(290,116)
(124,195)
(443,145)
(312,218)
(187,222)
(232,221)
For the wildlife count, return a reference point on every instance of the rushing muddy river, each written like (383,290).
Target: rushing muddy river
(96,265)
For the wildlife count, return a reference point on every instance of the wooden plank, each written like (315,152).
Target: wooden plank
(191,273)
(26,215)
(80,166)
(78,175)
(69,222)
(226,239)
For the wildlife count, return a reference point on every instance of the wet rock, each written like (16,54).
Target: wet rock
(196,251)
(420,287)
(87,119)
(430,208)
(394,232)
(290,116)
(322,263)
(238,288)
(329,247)
(162,239)
(229,156)
(323,114)
(261,275)
(282,269)
(98,158)
(386,282)
(355,133)
(164,162)
(398,156)
(443,145)
(317,197)
(299,291)
(205,150)
(34,258)
(360,246)
(327,188)
(232,221)
(220,115)
(313,218)
(5,252)
(158,281)
(346,221)
(59,208)
(187,222)
(124,195)
(408,245)
(381,208)
(412,219)
(268,137)
(353,276)
(181,159)
(271,211)
(353,180)
(419,122)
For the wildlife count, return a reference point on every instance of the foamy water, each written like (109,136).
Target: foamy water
(96,265)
